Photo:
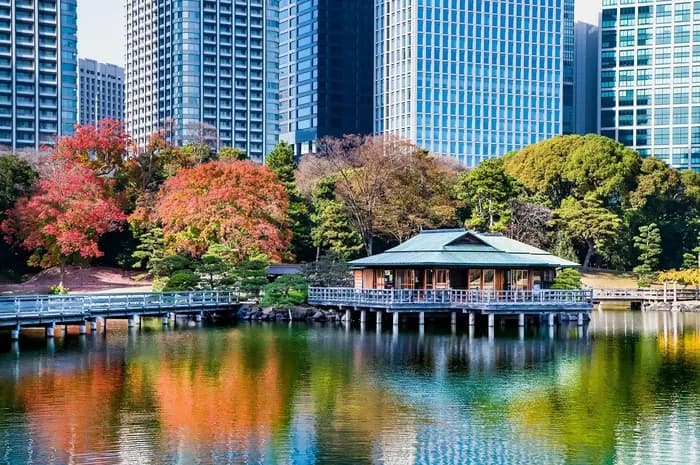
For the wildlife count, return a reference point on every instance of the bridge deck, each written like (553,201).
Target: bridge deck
(646,295)
(74,308)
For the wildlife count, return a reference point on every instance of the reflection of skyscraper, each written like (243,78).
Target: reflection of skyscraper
(195,66)
(474,79)
(650,78)
(325,70)
(38,69)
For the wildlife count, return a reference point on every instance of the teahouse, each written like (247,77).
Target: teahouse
(459,259)
(453,270)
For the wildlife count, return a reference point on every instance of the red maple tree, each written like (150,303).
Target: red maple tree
(101,148)
(237,203)
(62,220)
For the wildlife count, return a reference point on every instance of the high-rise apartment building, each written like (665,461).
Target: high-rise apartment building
(650,78)
(474,79)
(326,49)
(586,107)
(199,64)
(38,72)
(100,92)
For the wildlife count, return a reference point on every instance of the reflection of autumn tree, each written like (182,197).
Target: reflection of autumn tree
(230,390)
(84,408)
(595,402)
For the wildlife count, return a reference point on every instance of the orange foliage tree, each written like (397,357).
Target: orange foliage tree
(62,220)
(237,203)
(101,148)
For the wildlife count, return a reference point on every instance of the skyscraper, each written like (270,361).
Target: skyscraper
(650,78)
(38,72)
(586,107)
(474,79)
(100,92)
(325,70)
(200,64)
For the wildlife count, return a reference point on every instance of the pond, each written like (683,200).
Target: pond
(626,390)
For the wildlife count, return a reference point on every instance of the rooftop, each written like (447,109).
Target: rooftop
(462,248)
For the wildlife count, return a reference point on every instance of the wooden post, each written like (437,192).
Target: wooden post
(82,329)
(348,316)
(363,316)
(379,319)
(472,319)
(492,320)
(580,319)
(453,319)
(521,320)
(395,318)
(665,291)
(131,321)
(164,320)
(50,330)
(550,317)
(14,335)
(421,319)
(675,291)
(93,326)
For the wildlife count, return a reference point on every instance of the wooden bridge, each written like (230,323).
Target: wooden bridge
(667,294)
(79,309)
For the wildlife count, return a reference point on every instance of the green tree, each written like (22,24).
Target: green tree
(150,249)
(250,277)
(331,228)
(286,291)
(197,153)
(486,191)
(568,278)
(648,243)
(232,154)
(182,280)
(588,222)
(328,271)
(281,162)
(690,259)
(212,271)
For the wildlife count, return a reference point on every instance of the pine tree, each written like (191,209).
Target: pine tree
(648,242)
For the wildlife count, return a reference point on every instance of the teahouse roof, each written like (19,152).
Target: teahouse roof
(462,249)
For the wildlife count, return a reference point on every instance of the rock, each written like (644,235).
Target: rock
(319,316)
(268,311)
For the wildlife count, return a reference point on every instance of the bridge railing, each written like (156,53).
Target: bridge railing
(86,303)
(444,297)
(647,294)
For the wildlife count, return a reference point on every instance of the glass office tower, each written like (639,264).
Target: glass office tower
(325,70)
(38,72)
(650,78)
(196,65)
(474,79)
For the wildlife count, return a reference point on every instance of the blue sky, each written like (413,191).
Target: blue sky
(101,27)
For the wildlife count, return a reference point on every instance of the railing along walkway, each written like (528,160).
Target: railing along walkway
(653,295)
(16,309)
(445,299)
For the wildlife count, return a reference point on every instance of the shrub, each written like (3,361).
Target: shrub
(286,291)
(58,289)
(182,280)
(568,278)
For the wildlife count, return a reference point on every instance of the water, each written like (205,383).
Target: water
(625,391)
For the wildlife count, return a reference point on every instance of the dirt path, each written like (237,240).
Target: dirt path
(81,280)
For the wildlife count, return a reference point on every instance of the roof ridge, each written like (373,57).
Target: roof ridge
(438,231)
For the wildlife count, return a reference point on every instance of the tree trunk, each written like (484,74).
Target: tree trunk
(62,272)
(589,255)
(318,253)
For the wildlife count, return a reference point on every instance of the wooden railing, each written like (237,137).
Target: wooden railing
(452,298)
(669,294)
(100,303)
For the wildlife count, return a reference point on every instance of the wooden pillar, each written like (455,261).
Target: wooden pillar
(395,319)
(348,316)
(50,330)
(492,320)
(580,319)
(131,321)
(472,319)
(82,329)
(550,317)
(93,326)
(453,319)
(421,319)
(379,319)
(521,320)
(14,334)
(363,316)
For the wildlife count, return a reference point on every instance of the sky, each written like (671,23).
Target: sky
(101,27)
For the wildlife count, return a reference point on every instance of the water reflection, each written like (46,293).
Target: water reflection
(623,390)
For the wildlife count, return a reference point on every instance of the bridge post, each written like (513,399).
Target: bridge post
(82,328)
(395,319)
(14,334)
(93,326)
(348,316)
(379,320)
(521,320)
(164,320)
(453,319)
(132,321)
(363,317)
(472,319)
(50,330)
(421,319)
(580,319)
(550,317)
(198,317)
(492,320)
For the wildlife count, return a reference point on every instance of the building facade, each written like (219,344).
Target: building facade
(38,72)
(650,78)
(325,70)
(100,92)
(586,71)
(204,69)
(474,79)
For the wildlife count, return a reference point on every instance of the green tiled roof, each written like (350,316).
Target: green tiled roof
(462,248)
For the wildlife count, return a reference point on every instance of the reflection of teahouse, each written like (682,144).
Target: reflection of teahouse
(459,259)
